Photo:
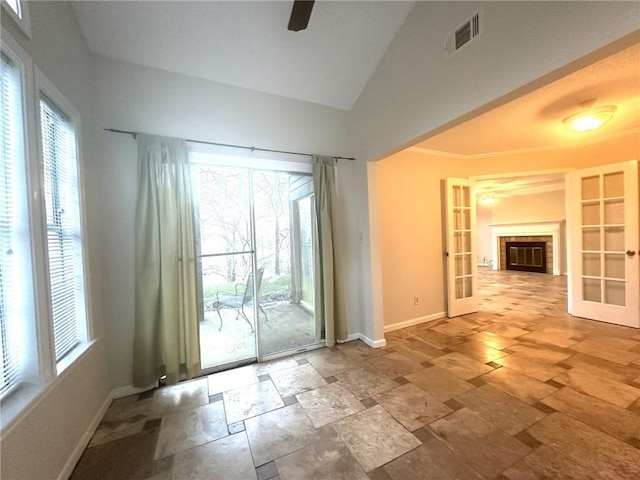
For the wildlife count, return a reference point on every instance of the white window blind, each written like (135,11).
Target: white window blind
(12,147)
(64,243)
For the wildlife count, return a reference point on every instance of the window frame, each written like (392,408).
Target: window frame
(41,373)
(22,19)
(44,87)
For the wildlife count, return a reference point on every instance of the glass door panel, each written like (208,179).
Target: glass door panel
(462,297)
(225,265)
(602,224)
(284,262)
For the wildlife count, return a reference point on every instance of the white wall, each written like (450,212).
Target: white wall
(417,91)
(147,100)
(50,435)
(483,223)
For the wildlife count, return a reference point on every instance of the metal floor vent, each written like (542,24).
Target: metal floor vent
(463,35)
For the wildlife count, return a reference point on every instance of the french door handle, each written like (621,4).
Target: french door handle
(631,253)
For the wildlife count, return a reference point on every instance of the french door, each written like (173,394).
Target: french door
(461,249)
(602,227)
(253,272)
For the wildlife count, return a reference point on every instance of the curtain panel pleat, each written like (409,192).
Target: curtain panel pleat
(330,306)
(166,320)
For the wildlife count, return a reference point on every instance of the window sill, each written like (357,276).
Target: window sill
(71,357)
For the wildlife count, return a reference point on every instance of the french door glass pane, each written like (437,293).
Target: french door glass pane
(602,235)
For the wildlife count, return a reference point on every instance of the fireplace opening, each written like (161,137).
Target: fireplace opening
(527,256)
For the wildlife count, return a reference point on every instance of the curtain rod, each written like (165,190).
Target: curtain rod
(228,145)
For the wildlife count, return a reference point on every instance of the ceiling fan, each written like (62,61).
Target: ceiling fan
(300,14)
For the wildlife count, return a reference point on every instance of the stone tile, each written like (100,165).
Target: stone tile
(324,459)
(612,419)
(479,351)
(453,329)
(412,406)
(439,340)
(419,351)
(267,471)
(493,340)
(548,338)
(128,409)
(527,389)
(374,437)
(332,363)
(622,343)
(365,382)
(109,431)
(271,366)
(228,458)
(542,353)
(600,367)
(546,462)
(512,415)
(179,397)
(606,352)
(278,433)
(129,457)
(598,386)
(438,382)
(534,369)
(395,365)
(190,428)
(358,350)
(434,458)
(251,400)
(584,445)
(231,379)
(486,448)
(505,330)
(297,379)
(461,365)
(328,403)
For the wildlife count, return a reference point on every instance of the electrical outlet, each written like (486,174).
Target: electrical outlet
(416,300)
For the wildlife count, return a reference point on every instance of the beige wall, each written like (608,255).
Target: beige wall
(542,207)
(409,199)
(410,218)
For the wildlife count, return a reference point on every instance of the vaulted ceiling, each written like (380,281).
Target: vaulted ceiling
(247,44)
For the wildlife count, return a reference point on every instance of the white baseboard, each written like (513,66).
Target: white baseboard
(130,390)
(414,321)
(84,441)
(367,340)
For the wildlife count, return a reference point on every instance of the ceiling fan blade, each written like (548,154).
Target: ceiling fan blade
(300,14)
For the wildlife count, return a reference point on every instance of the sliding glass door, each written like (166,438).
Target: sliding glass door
(286,321)
(254,242)
(225,263)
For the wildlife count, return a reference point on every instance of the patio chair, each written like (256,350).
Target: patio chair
(242,296)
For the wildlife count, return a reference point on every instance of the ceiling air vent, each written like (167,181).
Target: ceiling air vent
(463,35)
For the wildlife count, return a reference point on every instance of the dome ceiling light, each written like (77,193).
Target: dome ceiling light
(590,118)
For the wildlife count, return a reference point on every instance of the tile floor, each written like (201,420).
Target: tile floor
(519,390)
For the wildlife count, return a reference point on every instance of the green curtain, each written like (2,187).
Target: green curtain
(166,319)
(329,285)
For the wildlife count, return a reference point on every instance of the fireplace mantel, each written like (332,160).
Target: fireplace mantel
(553,229)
